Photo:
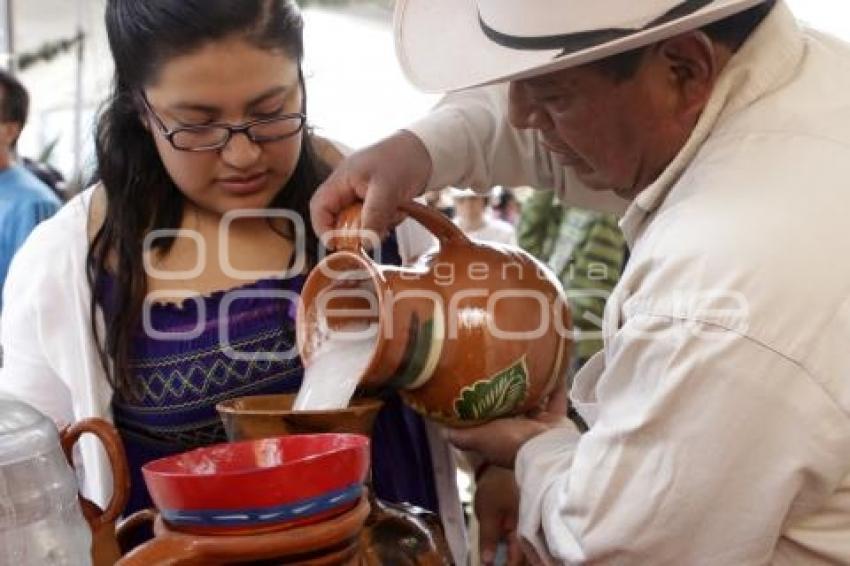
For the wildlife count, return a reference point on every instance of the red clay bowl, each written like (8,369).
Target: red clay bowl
(259,485)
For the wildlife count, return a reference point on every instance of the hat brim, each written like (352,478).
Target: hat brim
(441,46)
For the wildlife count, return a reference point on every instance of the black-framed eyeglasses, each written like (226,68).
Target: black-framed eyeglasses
(213,137)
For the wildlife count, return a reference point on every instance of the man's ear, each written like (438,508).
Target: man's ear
(694,62)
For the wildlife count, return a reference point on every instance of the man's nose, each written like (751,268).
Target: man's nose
(240,152)
(523,112)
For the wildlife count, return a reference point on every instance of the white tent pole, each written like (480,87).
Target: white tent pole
(78,94)
(8,21)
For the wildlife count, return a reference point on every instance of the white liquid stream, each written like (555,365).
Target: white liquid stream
(335,370)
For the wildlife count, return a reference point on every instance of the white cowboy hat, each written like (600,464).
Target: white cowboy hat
(468,193)
(446,45)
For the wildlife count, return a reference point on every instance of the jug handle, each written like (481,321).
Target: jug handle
(346,233)
(118,462)
(435,222)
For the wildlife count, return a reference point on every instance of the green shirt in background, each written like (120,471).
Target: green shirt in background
(586,251)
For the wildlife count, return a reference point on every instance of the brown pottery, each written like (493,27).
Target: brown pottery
(395,534)
(329,543)
(267,416)
(105,547)
(474,331)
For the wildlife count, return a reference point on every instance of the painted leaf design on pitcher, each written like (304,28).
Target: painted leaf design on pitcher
(496,397)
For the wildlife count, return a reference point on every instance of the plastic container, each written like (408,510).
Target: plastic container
(41,523)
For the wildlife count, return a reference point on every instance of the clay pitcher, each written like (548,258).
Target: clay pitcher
(105,547)
(474,331)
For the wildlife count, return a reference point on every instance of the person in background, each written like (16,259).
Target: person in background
(473,217)
(25,201)
(506,206)
(48,175)
(206,126)
(586,251)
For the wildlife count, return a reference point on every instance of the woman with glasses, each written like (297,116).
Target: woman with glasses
(186,259)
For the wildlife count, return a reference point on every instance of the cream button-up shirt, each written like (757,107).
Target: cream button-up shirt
(719,410)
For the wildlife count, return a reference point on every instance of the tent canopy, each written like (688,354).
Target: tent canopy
(357,94)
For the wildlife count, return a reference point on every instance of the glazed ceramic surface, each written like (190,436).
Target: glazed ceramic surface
(105,548)
(264,416)
(424,542)
(259,485)
(333,542)
(475,331)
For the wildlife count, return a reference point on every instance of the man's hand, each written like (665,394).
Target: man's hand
(383,176)
(500,440)
(497,509)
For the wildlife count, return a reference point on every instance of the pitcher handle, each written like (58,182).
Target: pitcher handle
(435,222)
(117,460)
(347,231)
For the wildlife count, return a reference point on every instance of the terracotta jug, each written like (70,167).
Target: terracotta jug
(105,547)
(474,331)
(262,416)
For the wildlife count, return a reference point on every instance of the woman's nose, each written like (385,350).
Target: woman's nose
(240,152)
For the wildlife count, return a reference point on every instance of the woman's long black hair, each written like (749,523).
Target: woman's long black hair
(140,195)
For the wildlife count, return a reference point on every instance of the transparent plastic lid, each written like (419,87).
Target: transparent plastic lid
(24,432)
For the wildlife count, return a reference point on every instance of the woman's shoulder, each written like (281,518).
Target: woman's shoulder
(75,213)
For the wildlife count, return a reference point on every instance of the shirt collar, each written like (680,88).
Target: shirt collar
(766,61)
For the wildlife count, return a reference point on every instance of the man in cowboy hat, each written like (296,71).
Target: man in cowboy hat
(719,410)
(473,217)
